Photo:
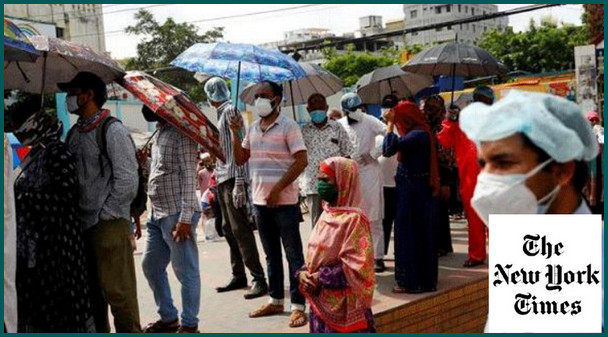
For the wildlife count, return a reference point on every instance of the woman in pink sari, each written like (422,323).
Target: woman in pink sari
(338,279)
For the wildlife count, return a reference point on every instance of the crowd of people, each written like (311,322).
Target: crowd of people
(73,219)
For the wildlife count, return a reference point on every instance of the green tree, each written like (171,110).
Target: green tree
(162,43)
(351,65)
(542,48)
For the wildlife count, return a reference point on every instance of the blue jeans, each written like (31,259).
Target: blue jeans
(276,225)
(162,249)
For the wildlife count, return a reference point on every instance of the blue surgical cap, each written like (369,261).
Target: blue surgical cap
(554,124)
(217,90)
(484,91)
(350,102)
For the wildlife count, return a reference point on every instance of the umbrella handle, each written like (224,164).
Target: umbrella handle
(453,82)
(238,88)
(293,102)
(45,54)
(238,85)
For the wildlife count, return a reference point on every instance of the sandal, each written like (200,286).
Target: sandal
(267,310)
(470,263)
(162,327)
(297,319)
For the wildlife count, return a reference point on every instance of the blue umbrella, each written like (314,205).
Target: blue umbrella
(17,47)
(238,62)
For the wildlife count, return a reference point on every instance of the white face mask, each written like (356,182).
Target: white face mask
(263,106)
(508,194)
(72,103)
(356,115)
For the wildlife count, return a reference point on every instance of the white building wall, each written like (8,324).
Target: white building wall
(418,15)
(82,23)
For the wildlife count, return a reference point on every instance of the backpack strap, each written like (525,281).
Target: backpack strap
(102,141)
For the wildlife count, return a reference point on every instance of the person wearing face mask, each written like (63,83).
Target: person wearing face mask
(171,227)
(418,188)
(452,137)
(51,280)
(324,138)
(277,155)
(362,129)
(533,149)
(338,278)
(107,172)
(232,180)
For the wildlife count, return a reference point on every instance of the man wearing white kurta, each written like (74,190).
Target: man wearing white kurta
(10,242)
(362,130)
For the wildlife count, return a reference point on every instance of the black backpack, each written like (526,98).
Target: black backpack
(138,205)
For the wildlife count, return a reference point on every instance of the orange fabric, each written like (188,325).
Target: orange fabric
(343,236)
(409,116)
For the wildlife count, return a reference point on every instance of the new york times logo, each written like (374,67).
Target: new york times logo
(554,276)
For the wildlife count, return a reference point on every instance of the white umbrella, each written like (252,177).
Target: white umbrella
(317,80)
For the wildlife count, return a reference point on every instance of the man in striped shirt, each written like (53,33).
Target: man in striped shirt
(232,196)
(275,149)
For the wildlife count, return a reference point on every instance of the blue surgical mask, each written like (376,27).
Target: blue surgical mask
(318,116)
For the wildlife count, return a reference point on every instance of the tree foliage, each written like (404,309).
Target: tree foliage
(542,48)
(351,65)
(162,43)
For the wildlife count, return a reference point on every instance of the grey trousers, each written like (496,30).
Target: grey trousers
(313,201)
(239,235)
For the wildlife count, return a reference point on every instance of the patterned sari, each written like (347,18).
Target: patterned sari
(341,251)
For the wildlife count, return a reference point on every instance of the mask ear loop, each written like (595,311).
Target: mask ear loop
(550,197)
(538,168)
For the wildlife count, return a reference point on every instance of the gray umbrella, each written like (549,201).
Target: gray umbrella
(455,59)
(317,80)
(373,87)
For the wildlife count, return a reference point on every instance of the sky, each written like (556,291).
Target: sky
(269,27)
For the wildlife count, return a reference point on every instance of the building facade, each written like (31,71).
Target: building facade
(81,23)
(304,39)
(420,15)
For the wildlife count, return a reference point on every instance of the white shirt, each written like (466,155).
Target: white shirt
(10,241)
(363,138)
(388,166)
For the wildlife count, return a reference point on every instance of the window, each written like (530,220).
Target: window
(461,26)
(438,10)
(466,9)
(448,8)
(472,11)
(438,29)
(485,29)
(59,32)
(459,9)
(473,28)
(414,14)
(415,34)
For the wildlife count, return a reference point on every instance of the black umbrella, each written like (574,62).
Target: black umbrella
(374,86)
(455,59)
